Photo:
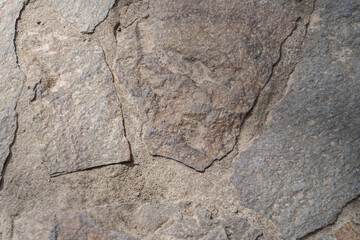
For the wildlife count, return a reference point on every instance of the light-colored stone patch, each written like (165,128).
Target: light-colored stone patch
(77,114)
(11,77)
(84,14)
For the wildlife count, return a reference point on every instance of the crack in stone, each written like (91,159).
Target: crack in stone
(120,104)
(301,44)
(250,112)
(269,106)
(7,160)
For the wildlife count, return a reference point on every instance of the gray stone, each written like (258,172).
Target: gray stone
(11,77)
(217,233)
(195,69)
(305,166)
(84,14)
(241,229)
(77,113)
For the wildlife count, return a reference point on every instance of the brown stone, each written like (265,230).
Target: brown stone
(347,232)
(196,68)
(83,225)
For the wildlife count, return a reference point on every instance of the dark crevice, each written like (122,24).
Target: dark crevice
(25,3)
(302,43)
(7,161)
(249,113)
(117,29)
(211,164)
(128,164)
(106,17)
(131,160)
(267,111)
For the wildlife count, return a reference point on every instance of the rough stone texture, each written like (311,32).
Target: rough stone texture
(347,232)
(109,222)
(75,108)
(84,14)
(195,69)
(83,226)
(129,13)
(64,226)
(305,165)
(35,225)
(11,77)
(36,205)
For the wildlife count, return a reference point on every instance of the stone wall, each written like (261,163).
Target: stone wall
(191,119)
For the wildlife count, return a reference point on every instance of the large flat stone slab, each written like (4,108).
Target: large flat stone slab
(77,114)
(195,69)
(11,77)
(305,166)
(84,14)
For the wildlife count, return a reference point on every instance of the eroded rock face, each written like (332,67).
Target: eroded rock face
(84,14)
(77,115)
(159,221)
(305,166)
(195,69)
(11,77)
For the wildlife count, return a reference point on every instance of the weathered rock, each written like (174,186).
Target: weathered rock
(149,221)
(217,233)
(151,217)
(241,229)
(35,225)
(202,225)
(77,114)
(195,69)
(347,232)
(131,12)
(11,77)
(84,226)
(327,237)
(64,226)
(305,165)
(84,14)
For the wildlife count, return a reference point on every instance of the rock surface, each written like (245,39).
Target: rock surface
(305,166)
(64,226)
(270,86)
(195,69)
(84,14)
(347,232)
(159,221)
(11,77)
(75,108)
